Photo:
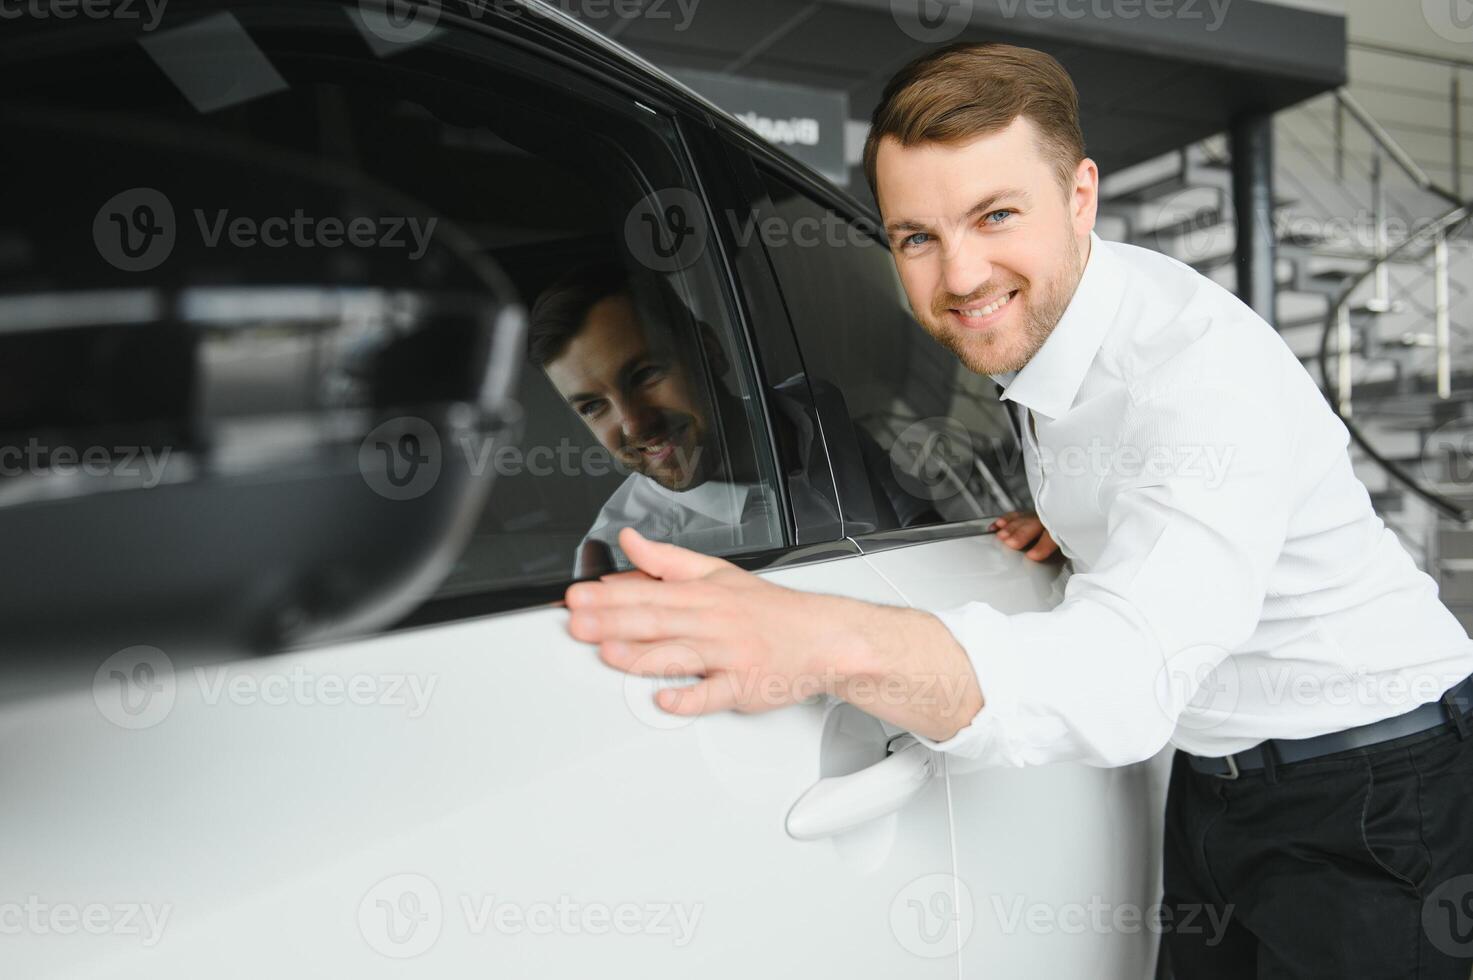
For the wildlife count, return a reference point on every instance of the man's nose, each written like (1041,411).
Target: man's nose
(966,265)
(637,419)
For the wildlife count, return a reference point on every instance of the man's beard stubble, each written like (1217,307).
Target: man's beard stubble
(1045,307)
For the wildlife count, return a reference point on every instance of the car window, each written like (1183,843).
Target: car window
(635,397)
(915,437)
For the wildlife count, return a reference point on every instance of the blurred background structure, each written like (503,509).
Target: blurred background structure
(1312,155)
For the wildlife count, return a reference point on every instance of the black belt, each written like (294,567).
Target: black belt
(1448,711)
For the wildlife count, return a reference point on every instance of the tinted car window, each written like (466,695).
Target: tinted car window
(931,439)
(314,145)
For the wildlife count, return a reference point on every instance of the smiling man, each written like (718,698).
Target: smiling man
(1227,616)
(640,387)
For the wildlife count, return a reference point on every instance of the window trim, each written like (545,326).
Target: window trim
(851,211)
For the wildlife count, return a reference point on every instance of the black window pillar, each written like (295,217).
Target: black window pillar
(1253,203)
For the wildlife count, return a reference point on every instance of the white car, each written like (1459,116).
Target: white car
(289,512)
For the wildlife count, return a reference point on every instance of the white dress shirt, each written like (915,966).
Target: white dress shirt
(1231,582)
(716,517)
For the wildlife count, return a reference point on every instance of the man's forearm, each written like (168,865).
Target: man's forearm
(904,667)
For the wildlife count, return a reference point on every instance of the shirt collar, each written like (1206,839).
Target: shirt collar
(716,499)
(1048,383)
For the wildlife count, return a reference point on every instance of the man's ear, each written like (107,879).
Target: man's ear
(715,353)
(1084,199)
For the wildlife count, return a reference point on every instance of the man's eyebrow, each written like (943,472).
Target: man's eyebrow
(981,207)
(991,201)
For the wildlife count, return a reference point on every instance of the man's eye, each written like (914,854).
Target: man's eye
(649,375)
(915,241)
(591,409)
(1000,217)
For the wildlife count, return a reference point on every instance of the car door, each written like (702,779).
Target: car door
(1058,867)
(462,790)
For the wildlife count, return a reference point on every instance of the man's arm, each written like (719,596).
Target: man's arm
(1100,679)
(758,646)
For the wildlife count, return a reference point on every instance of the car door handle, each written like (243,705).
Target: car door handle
(839,803)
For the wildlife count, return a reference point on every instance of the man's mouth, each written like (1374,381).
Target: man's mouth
(660,450)
(982,314)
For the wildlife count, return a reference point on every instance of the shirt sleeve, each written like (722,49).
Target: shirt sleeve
(1141,636)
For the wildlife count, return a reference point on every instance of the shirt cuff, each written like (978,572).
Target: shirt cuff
(986,636)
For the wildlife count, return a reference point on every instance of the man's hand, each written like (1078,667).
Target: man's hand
(757,646)
(1022,529)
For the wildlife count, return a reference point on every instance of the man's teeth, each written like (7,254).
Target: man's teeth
(985,310)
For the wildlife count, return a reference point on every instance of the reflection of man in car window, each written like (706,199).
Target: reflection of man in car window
(643,390)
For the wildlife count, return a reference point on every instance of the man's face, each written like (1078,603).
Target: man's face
(637,395)
(988,244)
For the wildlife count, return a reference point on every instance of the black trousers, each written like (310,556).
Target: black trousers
(1354,865)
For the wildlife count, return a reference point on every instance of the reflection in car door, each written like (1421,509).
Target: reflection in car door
(475,795)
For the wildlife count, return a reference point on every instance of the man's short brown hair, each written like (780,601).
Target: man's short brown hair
(965,91)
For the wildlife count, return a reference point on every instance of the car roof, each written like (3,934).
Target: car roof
(611,52)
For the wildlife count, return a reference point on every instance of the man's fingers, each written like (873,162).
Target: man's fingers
(1021,533)
(666,561)
(662,659)
(632,575)
(1045,547)
(636,623)
(640,591)
(702,698)
(1006,519)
